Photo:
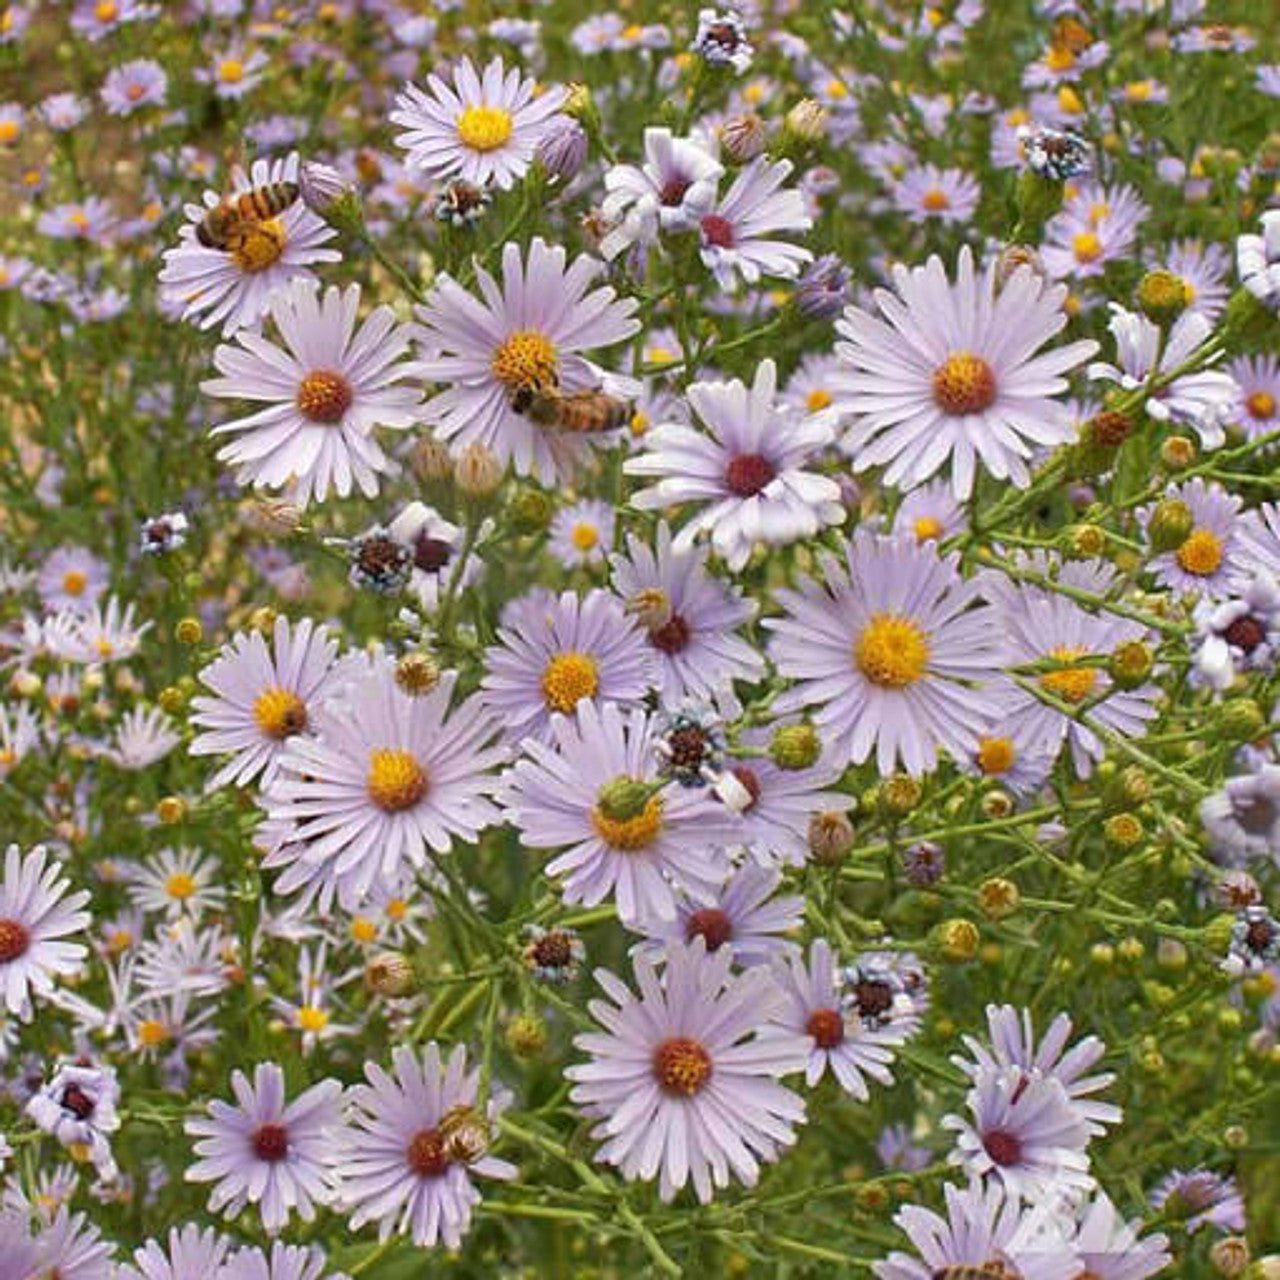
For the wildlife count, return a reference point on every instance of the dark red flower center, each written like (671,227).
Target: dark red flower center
(875,998)
(271,1142)
(717,231)
(672,636)
(1260,935)
(826,1026)
(553,950)
(748,473)
(710,924)
(1003,1147)
(15,938)
(431,554)
(1246,633)
(673,190)
(75,1100)
(426,1155)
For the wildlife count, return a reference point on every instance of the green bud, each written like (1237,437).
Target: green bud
(530,509)
(1037,199)
(1242,719)
(1170,525)
(795,746)
(1162,295)
(899,794)
(1129,664)
(623,799)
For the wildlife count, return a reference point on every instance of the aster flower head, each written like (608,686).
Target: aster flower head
(1112,1249)
(77,1107)
(1242,818)
(483,128)
(553,955)
(887,648)
(1257,406)
(594,792)
(950,372)
(324,393)
(163,533)
(1098,225)
(387,778)
(1201,1198)
(1210,561)
(134,85)
(748,466)
(689,616)
(72,578)
(738,237)
(418,1138)
(191,1254)
(232,287)
(815,1006)
(1258,260)
(683,1081)
(928,193)
(263,695)
(267,1151)
(37,916)
(582,533)
(721,39)
(284,1262)
(529,330)
(555,652)
(987,1228)
(1255,942)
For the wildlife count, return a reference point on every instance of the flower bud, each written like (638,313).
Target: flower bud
(998,898)
(1242,719)
(526,1036)
(1229,1256)
(477,472)
(830,837)
(1109,429)
(1123,831)
(530,510)
(958,940)
(899,794)
(271,516)
(823,289)
(1102,954)
(1014,257)
(743,137)
(390,973)
(1171,954)
(1178,452)
(1130,664)
(326,192)
(1086,540)
(171,699)
(1132,949)
(430,459)
(563,149)
(171,810)
(806,121)
(795,746)
(417,673)
(1162,296)
(578,103)
(1170,524)
(924,863)
(997,804)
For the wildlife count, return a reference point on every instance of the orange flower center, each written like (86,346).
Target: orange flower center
(964,383)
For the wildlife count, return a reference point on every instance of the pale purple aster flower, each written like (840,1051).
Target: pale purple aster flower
(721,39)
(325,392)
(192,1254)
(77,1107)
(582,533)
(770,808)
(1024,1131)
(17,1247)
(1257,405)
(36,915)
(823,290)
(749,466)
(266,1151)
(887,648)
(1039,624)
(89,220)
(690,618)
(1018,764)
(416,1140)
(950,372)
(1201,400)
(176,882)
(742,915)
(738,237)
(553,652)
(72,1248)
(596,793)
(158,535)
(898,1150)
(210,286)
(930,513)
(1201,1198)
(63,112)
(814,1007)
(673,190)
(93,20)
(1111,1249)
(1268,78)
(1098,224)
(1215,37)
(235,72)
(683,1083)
(263,696)
(1238,634)
(984,1225)
(434,543)
(483,129)
(388,778)
(284,1262)
(530,329)
(1061,65)
(1203,268)
(1242,818)
(927,193)
(1013,1047)
(96,634)
(133,85)
(1211,560)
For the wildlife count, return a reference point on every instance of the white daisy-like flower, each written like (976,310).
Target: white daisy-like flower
(748,467)
(950,372)
(95,635)
(1258,260)
(482,129)
(177,882)
(738,236)
(326,391)
(264,696)
(231,287)
(144,736)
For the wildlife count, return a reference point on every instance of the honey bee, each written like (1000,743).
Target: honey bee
(465,1133)
(582,412)
(995,1270)
(226,225)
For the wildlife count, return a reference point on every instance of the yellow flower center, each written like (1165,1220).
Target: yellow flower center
(280,713)
(230,71)
(817,400)
(525,358)
(1099,212)
(259,246)
(660,355)
(1073,684)
(995,755)
(639,423)
(74,582)
(1069,100)
(324,396)
(1086,246)
(152,1032)
(632,32)
(363,930)
(396,780)
(312,1019)
(682,1066)
(927,529)
(484,128)
(106,11)
(8,758)
(935,200)
(9,130)
(568,678)
(836,89)
(893,651)
(629,834)
(104,647)
(1059,58)
(584,536)
(1139,90)
(1201,554)
(180,886)
(1261,405)
(964,383)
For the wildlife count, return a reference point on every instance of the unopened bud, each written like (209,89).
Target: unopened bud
(958,940)
(417,673)
(795,746)
(477,473)
(188,631)
(1109,429)
(743,137)
(1170,525)
(430,459)
(1162,295)
(563,149)
(899,794)
(267,515)
(171,810)
(1130,664)
(1086,540)
(1230,1256)
(171,699)
(1013,258)
(1178,452)
(526,1035)
(530,510)
(1123,831)
(998,898)
(830,837)
(1242,719)
(806,121)
(390,973)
